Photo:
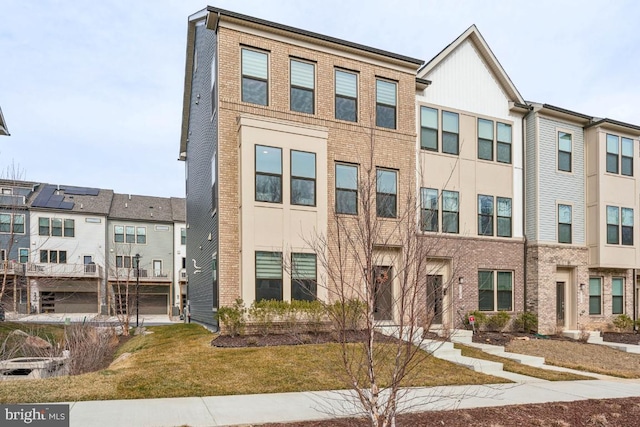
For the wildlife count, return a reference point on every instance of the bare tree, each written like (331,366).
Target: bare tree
(122,268)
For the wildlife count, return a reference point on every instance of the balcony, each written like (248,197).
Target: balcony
(124,274)
(12,268)
(64,270)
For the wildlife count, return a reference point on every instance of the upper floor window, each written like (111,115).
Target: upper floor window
(268,276)
(268,174)
(303,277)
(69,228)
(485,215)
(429,128)
(619,216)
(12,223)
(129,234)
(485,139)
(303,178)
(613,150)
(6,191)
(564,151)
(450,132)
(450,212)
(3,255)
(504,216)
(56,227)
(626,161)
(302,86)
(255,77)
(346,189)
(23,255)
(214,180)
(213,71)
(616,163)
(386,193)
(53,257)
(386,104)
(503,144)
(429,211)
(346,96)
(564,224)
(183,236)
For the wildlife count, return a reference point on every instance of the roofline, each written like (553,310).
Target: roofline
(565,111)
(3,125)
(615,123)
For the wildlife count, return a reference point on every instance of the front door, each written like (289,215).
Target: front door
(89,265)
(383,294)
(157,268)
(434,298)
(560,303)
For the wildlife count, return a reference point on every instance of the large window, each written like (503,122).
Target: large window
(12,223)
(302,86)
(69,228)
(129,234)
(429,128)
(565,220)
(56,227)
(268,276)
(450,132)
(386,193)
(615,218)
(346,96)
(450,212)
(485,139)
(386,104)
(303,277)
(504,216)
(613,150)
(495,290)
(53,257)
(255,77)
(619,164)
(346,189)
(485,215)
(268,174)
(617,295)
(564,151)
(429,211)
(595,295)
(503,144)
(5,223)
(303,178)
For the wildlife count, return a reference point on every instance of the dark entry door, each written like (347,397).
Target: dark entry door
(560,303)
(434,298)
(383,294)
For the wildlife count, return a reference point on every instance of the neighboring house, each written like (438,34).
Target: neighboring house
(179,297)
(271,115)
(14,241)
(581,209)
(3,125)
(144,226)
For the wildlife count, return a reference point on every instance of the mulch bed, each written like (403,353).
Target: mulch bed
(226,341)
(622,337)
(503,338)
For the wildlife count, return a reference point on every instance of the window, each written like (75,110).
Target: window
(450,132)
(130,236)
(93,220)
(303,178)
(429,211)
(183,236)
(485,139)
(53,257)
(595,295)
(3,255)
(161,227)
(56,227)
(213,84)
(23,255)
(627,226)
(386,193)
(268,174)
(303,277)
(141,235)
(503,146)
(6,191)
(564,151)
(346,96)
(429,128)
(346,189)
(5,223)
(18,223)
(504,216)
(626,165)
(118,231)
(564,224)
(43,226)
(385,104)
(254,77)
(69,227)
(268,276)
(302,86)
(495,290)
(616,216)
(450,212)
(485,215)
(617,295)
(612,153)
(123,261)
(214,186)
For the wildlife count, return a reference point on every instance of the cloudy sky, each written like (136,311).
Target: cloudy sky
(91,91)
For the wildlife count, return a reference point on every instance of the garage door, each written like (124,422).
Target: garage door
(75,302)
(153,304)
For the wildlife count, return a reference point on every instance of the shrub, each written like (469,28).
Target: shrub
(233,318)
(527,322)
(480,317)
(499,320)
(347,315)
(264,312)
(313,312)
(622,322)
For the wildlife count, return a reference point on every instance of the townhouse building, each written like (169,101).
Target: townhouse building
(179,298)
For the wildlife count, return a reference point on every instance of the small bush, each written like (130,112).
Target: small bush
(233,318)
(347,315)
(526,322)
(263,313)
(480,317)
(623,323)
(498,321)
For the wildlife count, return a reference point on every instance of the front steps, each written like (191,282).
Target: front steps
(595,337)
(466,337)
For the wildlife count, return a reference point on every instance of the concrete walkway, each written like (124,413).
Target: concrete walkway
(60,318)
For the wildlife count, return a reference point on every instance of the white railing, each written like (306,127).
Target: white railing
(64,270)
(124,273)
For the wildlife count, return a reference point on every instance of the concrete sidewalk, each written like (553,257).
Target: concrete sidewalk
(60,318)
(325,405)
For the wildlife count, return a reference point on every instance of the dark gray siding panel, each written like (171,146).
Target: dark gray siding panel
(202,232)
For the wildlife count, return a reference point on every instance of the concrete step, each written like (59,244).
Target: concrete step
(573,334)
(595,337)
(523,358)
(477,365)
(394,331)
(439,349)
(462,336)
(628,348)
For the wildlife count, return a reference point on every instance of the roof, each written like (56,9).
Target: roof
(615,124)
(70,198)
(586,120)
(473,35)
(3,125)
(141,208)
(179,209)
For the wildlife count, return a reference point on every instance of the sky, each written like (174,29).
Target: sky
(92,90)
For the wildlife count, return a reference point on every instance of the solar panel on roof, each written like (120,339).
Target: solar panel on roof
(48,199)
(80,191)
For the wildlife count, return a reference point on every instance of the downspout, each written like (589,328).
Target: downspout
(635,302)
(524,209)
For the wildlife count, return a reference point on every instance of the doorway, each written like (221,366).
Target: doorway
(435,298)
(560,303)
(383,293)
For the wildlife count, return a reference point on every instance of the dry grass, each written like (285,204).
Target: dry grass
(178,360)
(518,368)
(585,357)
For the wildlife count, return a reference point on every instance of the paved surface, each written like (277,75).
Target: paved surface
(145,319)
(285,407)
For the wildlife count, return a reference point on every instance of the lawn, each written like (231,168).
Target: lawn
(178,360)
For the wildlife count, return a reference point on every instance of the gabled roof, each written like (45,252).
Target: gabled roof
(68,198)
(473,35)
(3,125)
(179,209)
(141,208)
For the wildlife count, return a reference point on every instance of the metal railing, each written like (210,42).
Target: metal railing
(64,270)
(125,273)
